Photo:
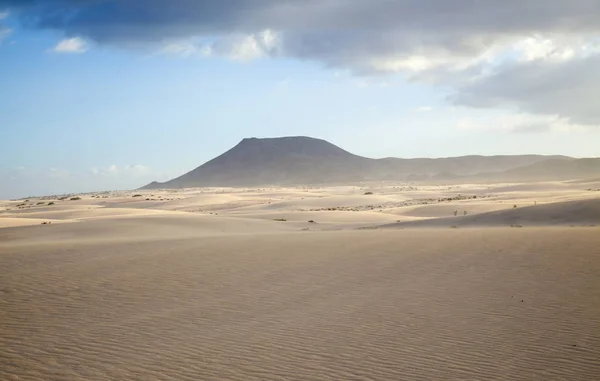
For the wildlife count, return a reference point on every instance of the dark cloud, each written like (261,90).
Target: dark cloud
(439,39)
(453,24)
(567,89)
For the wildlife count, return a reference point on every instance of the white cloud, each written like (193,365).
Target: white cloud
(133,170)
(113,169)
(4,14)
(136,170)
(236,47)
(71,45)
(516,123)
(424,109)
(244,47)
(181,48)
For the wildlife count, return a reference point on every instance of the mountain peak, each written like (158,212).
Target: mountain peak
(294,160)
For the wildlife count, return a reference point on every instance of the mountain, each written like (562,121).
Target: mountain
(289,160)
(552,169)
(304,160)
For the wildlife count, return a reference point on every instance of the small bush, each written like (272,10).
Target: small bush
(40,203)
(137,195)
(368,193)
(311,222)
(51,203)
(75,198)
(280,219)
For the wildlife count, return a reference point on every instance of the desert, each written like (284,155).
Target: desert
(383,283)
(299,190)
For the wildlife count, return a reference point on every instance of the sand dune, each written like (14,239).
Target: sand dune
(237,284)
(9,222)
(370,305)
(570,213)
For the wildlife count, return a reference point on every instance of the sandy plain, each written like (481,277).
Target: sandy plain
(237,284)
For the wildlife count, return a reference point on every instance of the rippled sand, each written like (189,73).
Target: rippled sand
(129,299)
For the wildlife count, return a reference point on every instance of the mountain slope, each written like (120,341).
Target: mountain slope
(550,169)
(289,160)
(305,160)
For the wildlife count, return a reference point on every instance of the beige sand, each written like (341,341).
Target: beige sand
(206,285)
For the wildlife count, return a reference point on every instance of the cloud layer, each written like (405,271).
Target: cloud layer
(538,56)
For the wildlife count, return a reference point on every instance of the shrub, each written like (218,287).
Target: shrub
(51,203)
(280,219)
(368,193)
(75,198)
(137,195)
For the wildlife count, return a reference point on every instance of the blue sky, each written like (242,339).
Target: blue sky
(78,113)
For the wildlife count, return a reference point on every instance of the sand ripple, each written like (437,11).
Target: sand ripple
(490,304)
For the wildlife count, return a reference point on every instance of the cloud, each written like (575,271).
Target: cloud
(515,123)
(237,47)
(4,14)
(477,49)
(379,35)
(130,171)
(424,109)
(71,45)
(4,32)
(567,90)
(180,48)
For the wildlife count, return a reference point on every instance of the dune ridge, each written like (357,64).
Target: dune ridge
(568,213)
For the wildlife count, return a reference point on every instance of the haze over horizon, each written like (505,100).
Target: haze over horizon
(109,94)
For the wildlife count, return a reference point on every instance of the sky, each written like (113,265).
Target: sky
(113,94)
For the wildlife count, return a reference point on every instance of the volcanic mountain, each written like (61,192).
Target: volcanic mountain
(304,160)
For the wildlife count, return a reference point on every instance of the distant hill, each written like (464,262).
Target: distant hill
(552,169)
(304,160)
